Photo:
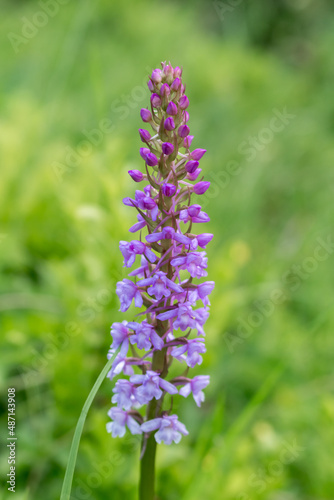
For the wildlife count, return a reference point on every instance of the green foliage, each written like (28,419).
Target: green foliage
(269,336)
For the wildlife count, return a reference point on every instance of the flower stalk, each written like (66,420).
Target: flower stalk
(172,259)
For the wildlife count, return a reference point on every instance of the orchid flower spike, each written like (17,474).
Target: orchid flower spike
(166,284)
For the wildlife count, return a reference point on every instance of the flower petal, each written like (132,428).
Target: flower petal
(151,425)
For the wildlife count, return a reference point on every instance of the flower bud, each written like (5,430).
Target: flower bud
(176,84)
(169,123)
(146,115)
(144,135)
(183,130)
(191,166)
(194,175)
(144,152)
(201,187)
(203,239)
(167,148)
(165,90)
(136,175)
(197,154)
(168,189)
(148,203)
(185,115)
(187,141)
(177,72)
(171,109)
(155,100)
(156,76)
(168,71)
(205,288)
(151,160)
(150,85)
(183,102)
(194,210)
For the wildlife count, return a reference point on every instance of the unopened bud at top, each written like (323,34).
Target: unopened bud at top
(187,141)
(165,90)
(194,210)
(193,176)
(151,159)
(168,71)
(197,154)
(144,135)
(150,85)
(167,148)
(191,166)
(168,189)
(136,175)
(176,84)
(155,100)
(171,109)
(156,76)
(183,130)
(183,102)
(169,123)
(201,187)
(203,239)
(144,152)
(146,115)
(177,72)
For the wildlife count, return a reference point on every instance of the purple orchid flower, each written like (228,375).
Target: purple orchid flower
(121,419)
(121,364)
(194,263)
(168,233)
(144,202)
(190,352)
(193,214)
(151,386)
(164,282)
(186,317)
(124,394)
(145,336)
(127,291)
(201,240)
(131,249)
(201,292)
(170,429)
(120,334)
(159,285)
(196,386)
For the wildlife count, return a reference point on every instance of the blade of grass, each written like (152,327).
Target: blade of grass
(67,484)
(204,484)
(255,403)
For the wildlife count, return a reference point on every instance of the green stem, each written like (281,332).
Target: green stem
(149,445)
(147,463)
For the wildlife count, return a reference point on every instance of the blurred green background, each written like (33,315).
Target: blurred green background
(266,428)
